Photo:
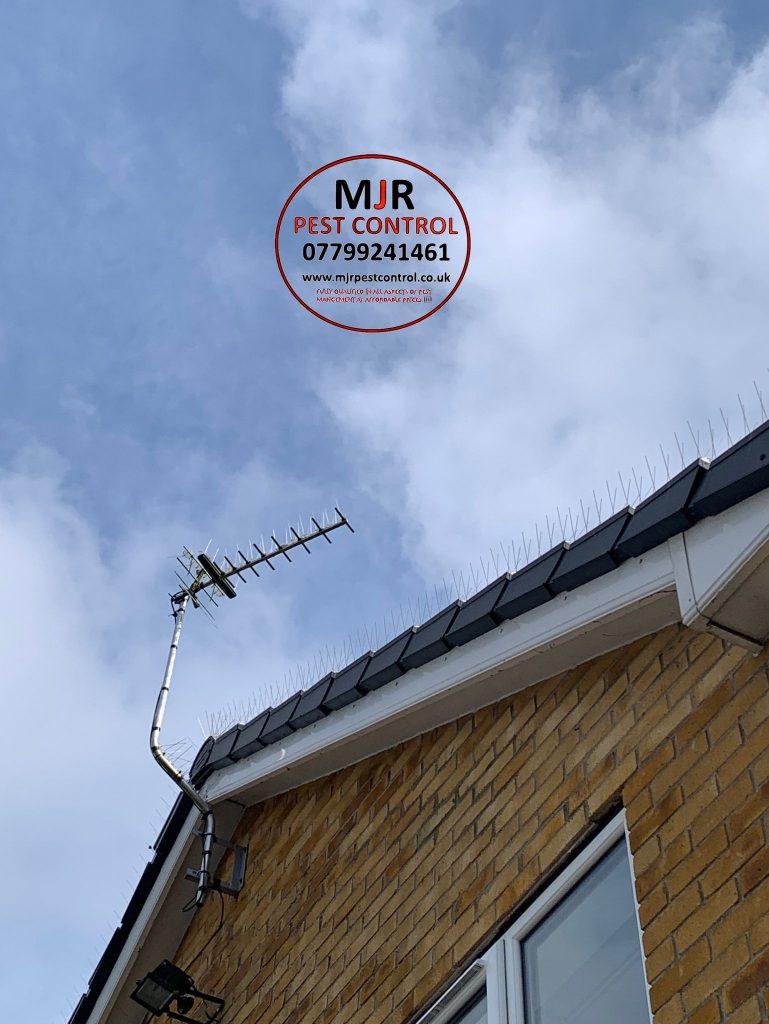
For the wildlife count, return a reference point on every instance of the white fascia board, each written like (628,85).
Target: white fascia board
(715,559)
(634,600)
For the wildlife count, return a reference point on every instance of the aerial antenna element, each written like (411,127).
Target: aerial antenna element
(204,580)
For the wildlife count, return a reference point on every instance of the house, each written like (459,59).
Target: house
(549,803)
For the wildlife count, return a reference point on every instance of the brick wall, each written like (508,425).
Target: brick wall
(369,889)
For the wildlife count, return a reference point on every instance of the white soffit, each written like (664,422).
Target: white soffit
(632,601)
(709,578)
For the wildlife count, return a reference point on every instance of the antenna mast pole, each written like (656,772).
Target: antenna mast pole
(207,578)
(160,710)
(204,877)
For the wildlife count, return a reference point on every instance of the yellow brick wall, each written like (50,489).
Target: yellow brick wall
(369,889)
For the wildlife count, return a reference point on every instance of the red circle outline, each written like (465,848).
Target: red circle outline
(344,160)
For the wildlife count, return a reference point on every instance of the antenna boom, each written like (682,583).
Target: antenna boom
(206,574)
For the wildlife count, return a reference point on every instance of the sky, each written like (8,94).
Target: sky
(161,387)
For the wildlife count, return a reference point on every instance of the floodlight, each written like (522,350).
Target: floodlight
(158,990)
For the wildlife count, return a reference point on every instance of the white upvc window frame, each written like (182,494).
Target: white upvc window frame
(552,896)
(486,974)
(500,969)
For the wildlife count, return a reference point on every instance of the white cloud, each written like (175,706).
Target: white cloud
(364,75)
(616,286)
(86,629)
(616,289)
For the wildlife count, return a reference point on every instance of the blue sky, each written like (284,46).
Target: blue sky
(160,386)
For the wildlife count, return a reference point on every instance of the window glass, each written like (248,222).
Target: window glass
(475,1013)
(583,963)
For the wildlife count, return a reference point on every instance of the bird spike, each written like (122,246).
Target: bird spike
(745,422)
(652,471)
(760,400)
(695,439)
(572,526)
(680,446)
(585,516)
(665,462)
(638,484)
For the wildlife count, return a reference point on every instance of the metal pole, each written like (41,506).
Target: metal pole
(157,724)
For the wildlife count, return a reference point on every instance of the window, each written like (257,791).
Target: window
(582,963)
(573,957)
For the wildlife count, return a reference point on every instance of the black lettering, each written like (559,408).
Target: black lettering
(402,189)
(343,194)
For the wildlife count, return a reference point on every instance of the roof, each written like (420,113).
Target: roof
(699,491)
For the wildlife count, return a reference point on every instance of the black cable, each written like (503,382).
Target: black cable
(210,938)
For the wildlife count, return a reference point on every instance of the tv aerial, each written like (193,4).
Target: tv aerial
(204,580)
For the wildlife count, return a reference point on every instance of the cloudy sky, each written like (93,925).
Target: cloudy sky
(160,386)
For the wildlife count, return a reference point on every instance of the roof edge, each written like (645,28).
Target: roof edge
(694,578)
(713,576)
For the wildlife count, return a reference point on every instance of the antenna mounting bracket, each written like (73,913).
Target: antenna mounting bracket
(237,876)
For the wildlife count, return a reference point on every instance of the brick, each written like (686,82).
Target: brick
(698,807)
(678,974)
(748,983)
(746,753)
(760,769)
(733,796)
(740,920)
(750,810)
(756,870)
(660,959)
(637,807)
(671,1013)
(650,735)
(718,971)
(694,726)
(685,903)
(661,867)
(759,934)
(652,904)
(756,716)
(655,818)
(645,854)
(369,890)
(734,855)
(699,859)
(748,1013)
(708,1013)
(707,766)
